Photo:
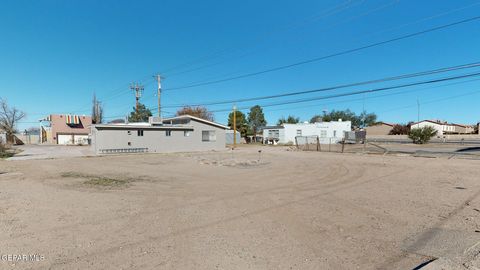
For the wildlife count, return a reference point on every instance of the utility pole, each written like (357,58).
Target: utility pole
(159,93)
(234,126)
(418,113)
(363,111)
(138,89)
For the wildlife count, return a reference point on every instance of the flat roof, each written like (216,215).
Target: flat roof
(130,126)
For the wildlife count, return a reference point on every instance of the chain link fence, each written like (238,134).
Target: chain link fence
(308,143)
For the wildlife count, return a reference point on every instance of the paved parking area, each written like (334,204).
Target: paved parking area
(33,151)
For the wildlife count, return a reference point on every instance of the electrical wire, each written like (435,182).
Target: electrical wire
(330,55)
(336,87)
(381,89)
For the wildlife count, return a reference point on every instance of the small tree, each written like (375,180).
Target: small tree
(240,122)
(200,112)
(366,119)
(399,130)
(363,120)
(256,119)
(9,116)
(422,135)
(316,119)
(290,120)
(140,115)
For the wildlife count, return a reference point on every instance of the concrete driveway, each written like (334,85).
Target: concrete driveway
(51,152)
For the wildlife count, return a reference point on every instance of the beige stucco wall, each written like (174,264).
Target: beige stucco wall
(464,130)
(59,126)
(378,129)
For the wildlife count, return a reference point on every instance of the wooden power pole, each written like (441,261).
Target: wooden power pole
(138,89)
(234,126)
(159,94)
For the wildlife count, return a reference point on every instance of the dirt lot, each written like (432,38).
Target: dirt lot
(278,209)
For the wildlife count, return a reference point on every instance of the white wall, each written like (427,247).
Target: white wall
(440,128)
(333,131)
(281,133)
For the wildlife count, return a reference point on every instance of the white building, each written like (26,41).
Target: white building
(328,132)
(443,128)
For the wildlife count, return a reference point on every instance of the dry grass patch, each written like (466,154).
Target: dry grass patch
(98,181)
(106,182)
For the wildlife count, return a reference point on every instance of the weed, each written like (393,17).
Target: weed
(93,180)
(105,182)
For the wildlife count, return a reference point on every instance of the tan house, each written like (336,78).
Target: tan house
(65,129)
(380,128)
(463,129)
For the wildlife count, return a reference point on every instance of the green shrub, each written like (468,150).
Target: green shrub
(422,135)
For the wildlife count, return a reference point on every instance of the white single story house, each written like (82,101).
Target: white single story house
(444,128)
(184,133)
(328,132)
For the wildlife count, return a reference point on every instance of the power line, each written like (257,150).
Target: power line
(398,77)
(119,92)
(323,14)
(432,101)
(361,92)
(330,55)
(377,96)
(326,28)
(323,104)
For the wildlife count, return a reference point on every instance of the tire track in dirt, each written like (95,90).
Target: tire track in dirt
(160,238)
(153,200)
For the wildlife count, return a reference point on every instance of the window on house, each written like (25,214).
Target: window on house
(129,143)
(208,136)
(186,133)
(168,133)
(334,133)
(323,133)
(299,132)
(274,133)
(140,132)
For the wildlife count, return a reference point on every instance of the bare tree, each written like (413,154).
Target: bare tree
(9,116)
(200,112)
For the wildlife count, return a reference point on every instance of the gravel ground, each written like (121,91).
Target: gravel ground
(278,209)
(32,151)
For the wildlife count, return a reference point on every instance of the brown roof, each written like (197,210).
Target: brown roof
(383,123)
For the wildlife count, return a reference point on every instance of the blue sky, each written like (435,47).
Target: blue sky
(55,54)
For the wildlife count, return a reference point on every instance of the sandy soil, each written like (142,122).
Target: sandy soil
(278,209)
